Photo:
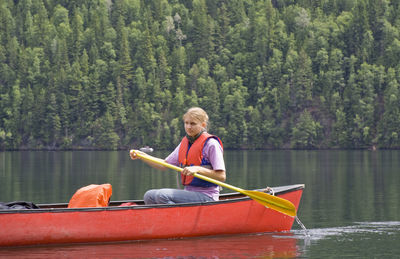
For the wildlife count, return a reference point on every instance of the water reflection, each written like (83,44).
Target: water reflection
(277,245)
(359,240)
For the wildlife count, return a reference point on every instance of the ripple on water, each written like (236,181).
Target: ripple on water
(387,228)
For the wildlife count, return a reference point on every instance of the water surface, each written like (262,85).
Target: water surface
(350,205)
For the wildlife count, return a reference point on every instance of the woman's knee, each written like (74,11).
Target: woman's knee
(159,196)
(150,197)
(165,196)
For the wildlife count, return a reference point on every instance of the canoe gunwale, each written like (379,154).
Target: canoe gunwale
(225,198)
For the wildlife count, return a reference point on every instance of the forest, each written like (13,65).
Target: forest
(271,74)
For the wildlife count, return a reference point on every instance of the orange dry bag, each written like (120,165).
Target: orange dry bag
(91,196)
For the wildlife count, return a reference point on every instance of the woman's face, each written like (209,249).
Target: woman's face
(192,126)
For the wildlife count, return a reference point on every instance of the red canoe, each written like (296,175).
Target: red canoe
(57,224)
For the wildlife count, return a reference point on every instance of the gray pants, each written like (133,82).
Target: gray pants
(172,196)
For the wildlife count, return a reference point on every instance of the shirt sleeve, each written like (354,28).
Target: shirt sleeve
(214,154)
(173,158)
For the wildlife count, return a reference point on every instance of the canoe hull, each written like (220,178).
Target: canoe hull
(62,225)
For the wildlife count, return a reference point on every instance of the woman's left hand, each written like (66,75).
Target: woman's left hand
(190,170)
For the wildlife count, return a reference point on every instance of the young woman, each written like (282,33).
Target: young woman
(199,152)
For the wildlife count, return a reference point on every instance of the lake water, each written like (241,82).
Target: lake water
(350,205)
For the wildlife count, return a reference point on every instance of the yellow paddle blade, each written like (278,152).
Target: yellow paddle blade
(272,202)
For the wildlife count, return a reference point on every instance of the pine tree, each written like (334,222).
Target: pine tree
(306,132)
(201,34)
(390,122)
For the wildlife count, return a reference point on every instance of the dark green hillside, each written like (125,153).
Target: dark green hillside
(271,73)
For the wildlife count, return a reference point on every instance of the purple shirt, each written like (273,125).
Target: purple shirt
(213,152)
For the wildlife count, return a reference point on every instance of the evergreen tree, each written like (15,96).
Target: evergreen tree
(201,34)
(12,123)
(306,132)
(389,125)
(53,123)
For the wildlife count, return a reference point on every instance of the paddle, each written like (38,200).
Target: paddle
(272,202)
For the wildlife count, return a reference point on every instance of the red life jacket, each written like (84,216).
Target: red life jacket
(190,155)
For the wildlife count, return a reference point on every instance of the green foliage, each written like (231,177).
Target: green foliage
(306,132)
(270,74)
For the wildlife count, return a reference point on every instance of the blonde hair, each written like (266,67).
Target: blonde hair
(197,114)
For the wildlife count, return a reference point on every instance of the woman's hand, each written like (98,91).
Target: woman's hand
(218,175)
(133,154)
(191,170)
